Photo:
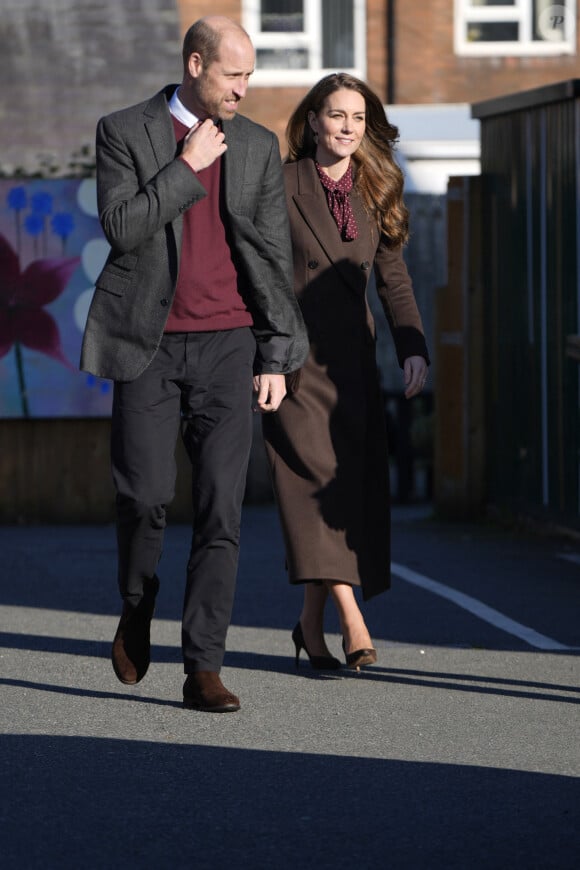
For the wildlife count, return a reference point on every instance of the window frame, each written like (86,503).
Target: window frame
(310,38)
(520,12)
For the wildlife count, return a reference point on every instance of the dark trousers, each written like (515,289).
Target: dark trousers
(199,384)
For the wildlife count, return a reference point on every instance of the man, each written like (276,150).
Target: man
(193,307)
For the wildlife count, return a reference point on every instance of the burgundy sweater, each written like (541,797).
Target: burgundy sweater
(206,295)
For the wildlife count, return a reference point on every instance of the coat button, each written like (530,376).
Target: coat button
(365,265)
(313,264)
(164,302)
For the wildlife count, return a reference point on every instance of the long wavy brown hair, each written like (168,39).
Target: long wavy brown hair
(377,177)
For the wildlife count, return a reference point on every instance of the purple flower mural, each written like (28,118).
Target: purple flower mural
(51,252)
(23,297)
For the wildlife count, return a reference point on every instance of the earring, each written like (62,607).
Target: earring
(315,137)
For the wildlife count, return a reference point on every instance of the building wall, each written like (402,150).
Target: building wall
(65,64)
(428,71)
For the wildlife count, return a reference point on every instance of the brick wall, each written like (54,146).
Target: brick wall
(191,10)
(428,71)
(377,47)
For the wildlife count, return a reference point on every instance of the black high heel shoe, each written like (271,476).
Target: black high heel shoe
(319,663)
(359,657)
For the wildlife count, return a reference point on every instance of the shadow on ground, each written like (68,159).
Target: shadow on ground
(71,802)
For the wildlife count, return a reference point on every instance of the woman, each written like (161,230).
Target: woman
(327,444)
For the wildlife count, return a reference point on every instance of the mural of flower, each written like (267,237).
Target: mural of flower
(34,224)
(62,224)
(23,297)
(41,203)
(17,198)
(41,220)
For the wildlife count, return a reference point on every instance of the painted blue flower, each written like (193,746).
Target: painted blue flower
(33,224)
(62,224)
(41,203)
(17,198)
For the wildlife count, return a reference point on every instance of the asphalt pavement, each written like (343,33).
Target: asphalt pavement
(459,749)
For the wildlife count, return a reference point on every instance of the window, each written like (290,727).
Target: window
(515,27)
(298,41)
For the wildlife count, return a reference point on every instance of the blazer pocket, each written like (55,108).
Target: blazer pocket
(114,281)
(117,274)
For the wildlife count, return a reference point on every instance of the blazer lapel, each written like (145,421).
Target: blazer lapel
(233,163)
(313,206)
(159,127)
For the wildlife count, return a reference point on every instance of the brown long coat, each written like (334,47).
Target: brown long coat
(327,444)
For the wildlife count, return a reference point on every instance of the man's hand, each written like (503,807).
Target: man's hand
(415,375)
(203,144)
(270,390)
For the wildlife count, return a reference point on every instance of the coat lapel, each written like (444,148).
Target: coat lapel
(233,163)
(311,202)
(160,127)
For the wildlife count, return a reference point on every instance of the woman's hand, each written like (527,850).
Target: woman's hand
(415,375)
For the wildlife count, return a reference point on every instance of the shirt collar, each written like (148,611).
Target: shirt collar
(178,110)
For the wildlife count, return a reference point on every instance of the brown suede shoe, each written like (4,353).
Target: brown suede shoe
(203,690)
(131,651)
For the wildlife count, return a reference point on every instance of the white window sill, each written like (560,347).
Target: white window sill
(514,49)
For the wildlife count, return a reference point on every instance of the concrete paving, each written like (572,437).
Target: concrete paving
(459,749)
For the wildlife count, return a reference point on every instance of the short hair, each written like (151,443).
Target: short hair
(204,37)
